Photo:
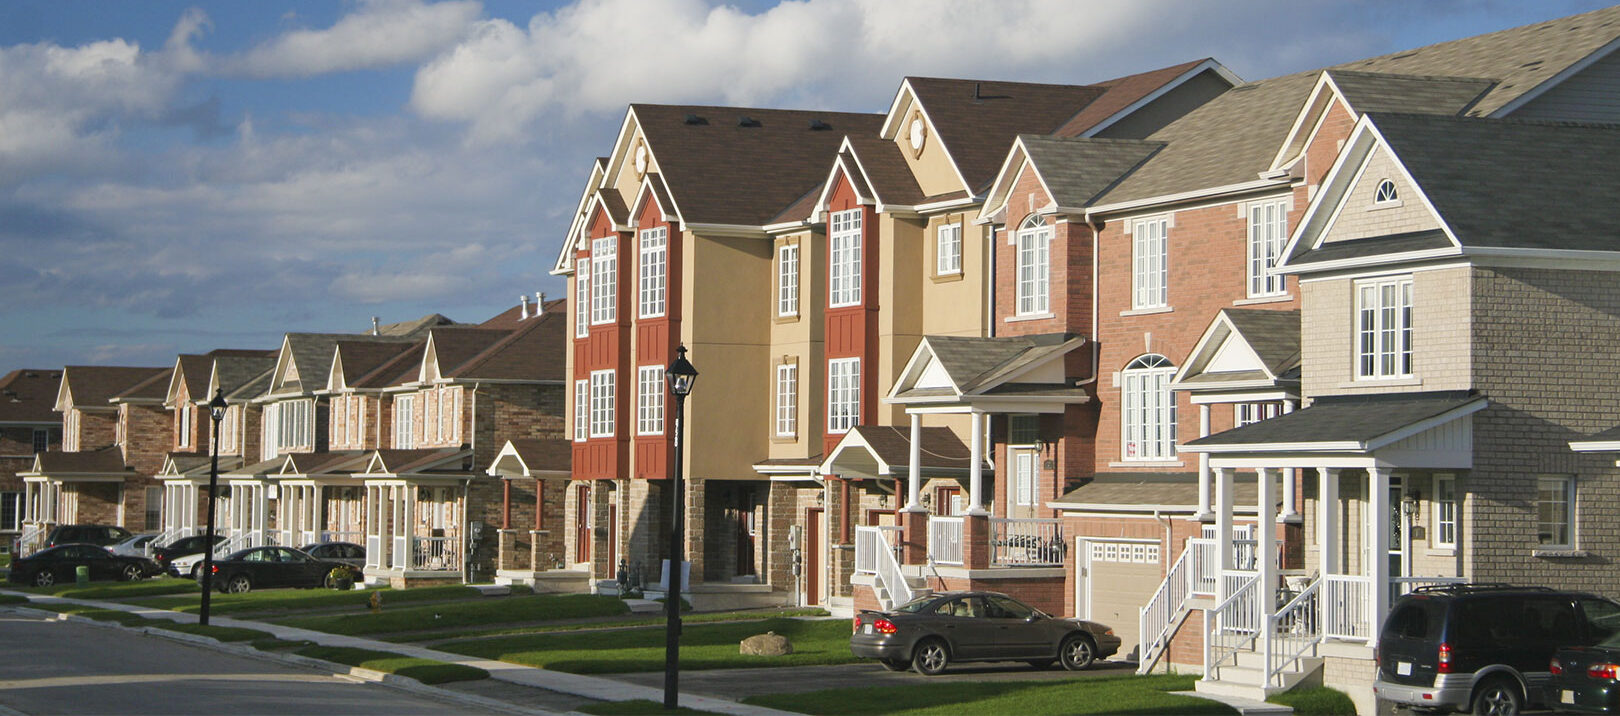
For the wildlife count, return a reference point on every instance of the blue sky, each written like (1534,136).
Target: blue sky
(178,177)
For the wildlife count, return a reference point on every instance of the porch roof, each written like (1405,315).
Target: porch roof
(1606,441)
(102,462)
(1166,492)
(425,462)
(790,468)
(1357,423)
(533,457)
(885,451)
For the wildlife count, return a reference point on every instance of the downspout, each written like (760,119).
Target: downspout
(990,286)
(466,493)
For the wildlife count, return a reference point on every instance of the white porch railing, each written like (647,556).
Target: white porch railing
(374,555)
(354,537)
(866,547)
(436,554)
(1234,623)
(402,552)
(1347,606)
(1295,630)
(1026,542)
(945,540)
(874,556)
(1164,610)
(31,539)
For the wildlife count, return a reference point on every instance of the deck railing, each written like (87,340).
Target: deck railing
(1295,629)
(1234,623)
(1026,542)
(436,554)
(945,540)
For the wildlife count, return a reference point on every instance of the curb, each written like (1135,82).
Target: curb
(395,681)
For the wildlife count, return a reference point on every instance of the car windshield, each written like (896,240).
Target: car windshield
(916,605)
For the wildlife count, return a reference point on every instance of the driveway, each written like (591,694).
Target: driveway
(742,683)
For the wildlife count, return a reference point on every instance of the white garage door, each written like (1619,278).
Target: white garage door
(1121,576)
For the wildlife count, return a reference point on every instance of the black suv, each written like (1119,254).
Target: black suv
(101,535)
(1481,647)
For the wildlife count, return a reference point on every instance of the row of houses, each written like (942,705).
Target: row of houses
(1225,365)
(1144,350)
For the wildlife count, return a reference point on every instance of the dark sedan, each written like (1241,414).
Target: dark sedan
(59,565)
(346,552)
(1586,678)
(930,632)
(183,547)
(266,567)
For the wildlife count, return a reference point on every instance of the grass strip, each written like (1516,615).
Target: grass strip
(274,644)
(1316,701)
(106,615)
(703,646)
(13,599)
(638,621)
(1101,695)
(292,600)
(220,633)
(426,671)
(115,590)
(464,613)
(635,707)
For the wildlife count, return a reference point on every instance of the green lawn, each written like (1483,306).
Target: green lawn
(426,671)
(499,610)
(703,646)
(1318,701)
(632,621)
(116,590)
(292,600)
(13,599)
(1102,695)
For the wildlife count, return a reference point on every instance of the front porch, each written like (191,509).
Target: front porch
(66,488)
(416,517)
(534,486)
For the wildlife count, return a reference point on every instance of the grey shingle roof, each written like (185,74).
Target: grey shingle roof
(1334,419)
(1377,246)
(312,354)
(1153,489)
(974,362)
(1273,335)
(541,454)
(1078,170)
(1509,183)
(1369,92)
(108,460)
(941,449)
(93,385)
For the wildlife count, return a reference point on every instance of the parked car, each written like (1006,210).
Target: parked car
(267,567)
(101,535)
(59,564)
(181,556)
(930,632)
(1587,678)
(1483,648)
(135,546)
(346,552)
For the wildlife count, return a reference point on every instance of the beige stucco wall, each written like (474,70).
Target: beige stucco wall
(801,340)
(900,304)
(932,167)
(1360,218)
(628,181)
(955,305)
(726,327)
(1441,344)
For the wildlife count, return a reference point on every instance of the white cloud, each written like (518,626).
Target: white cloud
(380,33)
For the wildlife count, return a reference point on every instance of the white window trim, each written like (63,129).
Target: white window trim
(1268,233)
(787,400)
(1135,384)
(1150,263)
(1391,342)
(603,391)
(186,412)
(1395,195)
(582,298)
(787,280)
(1033,271)
(604,280)
(650,400)
(844,267)
(948,249)
(843,394)
(1571,505)
(582,409)
(1250,413)
(404,422)
(1440,519)
(654,272)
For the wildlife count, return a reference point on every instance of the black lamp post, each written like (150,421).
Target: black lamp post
(216,410)
(681,375)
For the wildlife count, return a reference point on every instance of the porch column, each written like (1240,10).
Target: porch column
(408,525)
(1223,529)
(1378,547)
(539,505)
(976,468)
(1290,503)
(506,504)
(1203,515)
(914,476)
(1265,549)
(1327,520)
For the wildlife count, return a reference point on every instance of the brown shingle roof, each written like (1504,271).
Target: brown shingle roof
(548,454)
(975,120)
(1120,93)
(93,386)
(537,350)
(883,164)
(108,460)
(723,173)
(27,396)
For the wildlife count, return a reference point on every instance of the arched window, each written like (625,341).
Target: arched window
(1149,410)
(1034,254)
(1386,193)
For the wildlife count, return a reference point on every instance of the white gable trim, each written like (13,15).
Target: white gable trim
(1323,96)
(921,357)
(565,258)
(839,169)
(893,119)
(1001,189)
(645,193)
(853,440)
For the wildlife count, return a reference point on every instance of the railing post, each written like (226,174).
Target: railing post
(976,541)
(914,538)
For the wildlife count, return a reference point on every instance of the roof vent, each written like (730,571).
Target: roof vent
(376,325)
(694,119)
(523,299)
(539,300)
(976,95)
(818,125)
(747,122)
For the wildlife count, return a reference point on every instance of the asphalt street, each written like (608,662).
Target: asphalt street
(62,667)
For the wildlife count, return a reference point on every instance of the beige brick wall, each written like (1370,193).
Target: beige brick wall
(1361,218)
(1441,342)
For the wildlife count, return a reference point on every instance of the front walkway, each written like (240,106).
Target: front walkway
(592,687)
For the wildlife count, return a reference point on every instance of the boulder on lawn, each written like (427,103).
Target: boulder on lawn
(768,644)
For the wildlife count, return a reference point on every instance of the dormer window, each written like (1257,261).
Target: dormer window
(185,425)
(1386,194)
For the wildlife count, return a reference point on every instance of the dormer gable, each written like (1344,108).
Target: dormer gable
(651,196)
(429,373)
(911,128)
(336,382)
(845,184)
(1245,350)
(565,256)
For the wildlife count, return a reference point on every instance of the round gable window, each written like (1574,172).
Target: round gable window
(641,159)
(919,134)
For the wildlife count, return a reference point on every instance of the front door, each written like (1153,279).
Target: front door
(813,567)
(745,532)
(582,523)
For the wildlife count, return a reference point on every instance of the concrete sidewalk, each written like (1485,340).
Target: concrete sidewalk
(590,687)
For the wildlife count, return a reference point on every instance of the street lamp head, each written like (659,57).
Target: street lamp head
(216,407)
(681,374)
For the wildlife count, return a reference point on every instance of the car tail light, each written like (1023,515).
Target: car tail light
(213,569)
(884,626)
(1442,662)
(857,627)
(1603,671)
(1555,667)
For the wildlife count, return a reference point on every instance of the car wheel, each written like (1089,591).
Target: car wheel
(1040,663)
(1077,652)
(131,572)
(895,664)
(196,571)
(239,584)
(931,657)
(1498,697)
(44,578)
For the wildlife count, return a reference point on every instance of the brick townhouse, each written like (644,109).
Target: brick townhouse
(28,426)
